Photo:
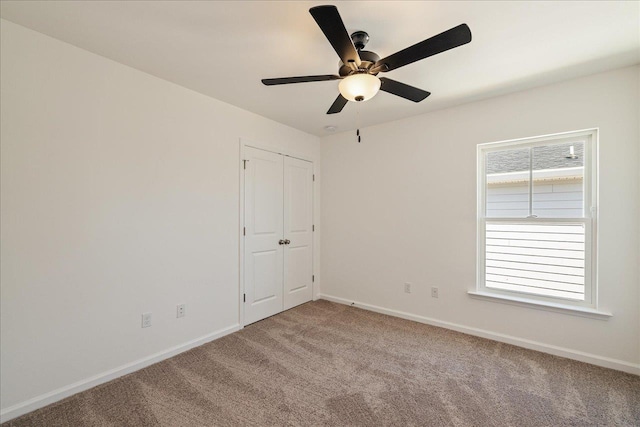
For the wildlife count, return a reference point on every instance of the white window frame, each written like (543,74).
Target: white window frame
(590,186)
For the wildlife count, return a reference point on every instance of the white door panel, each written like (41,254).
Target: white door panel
(298,223)
(263,256)
(267,193)
(265,275)
(298,258)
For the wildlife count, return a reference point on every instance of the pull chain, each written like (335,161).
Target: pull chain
(358,122)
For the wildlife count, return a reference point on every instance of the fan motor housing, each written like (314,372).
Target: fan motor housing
(367,60)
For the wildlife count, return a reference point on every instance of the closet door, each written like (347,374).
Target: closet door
(298,232)
(263,243)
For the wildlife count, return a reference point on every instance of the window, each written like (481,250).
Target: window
(536,219)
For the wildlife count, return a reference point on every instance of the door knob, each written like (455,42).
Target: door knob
(287,241)
(281,242)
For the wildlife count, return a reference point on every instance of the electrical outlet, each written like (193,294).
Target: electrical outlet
(407,288)
(434,292)
(181,310)
(146,320)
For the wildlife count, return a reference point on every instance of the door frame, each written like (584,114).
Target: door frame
(287,153)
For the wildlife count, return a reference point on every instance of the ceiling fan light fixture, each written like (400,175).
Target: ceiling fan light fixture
(359,87)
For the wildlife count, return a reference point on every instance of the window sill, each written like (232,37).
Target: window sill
(542,305)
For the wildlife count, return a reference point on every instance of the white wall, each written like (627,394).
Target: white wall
(401,207)
(120,195)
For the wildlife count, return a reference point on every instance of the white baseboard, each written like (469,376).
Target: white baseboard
(82,385)
(606,362)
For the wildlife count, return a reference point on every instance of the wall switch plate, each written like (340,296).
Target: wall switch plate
(181,310)
(434,292)
(407,288)
(146,320)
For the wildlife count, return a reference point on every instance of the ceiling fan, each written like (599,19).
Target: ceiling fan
(358,69)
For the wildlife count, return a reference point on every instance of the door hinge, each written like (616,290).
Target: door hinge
(314,176)
(244,297)
(244,163)
(313,227)
(244,231)
(313,277)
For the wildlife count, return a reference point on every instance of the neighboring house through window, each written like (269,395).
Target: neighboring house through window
(536,219)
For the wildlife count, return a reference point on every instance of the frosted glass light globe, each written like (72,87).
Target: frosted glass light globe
(359,87)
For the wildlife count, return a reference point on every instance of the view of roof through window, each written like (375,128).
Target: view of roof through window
(546,157)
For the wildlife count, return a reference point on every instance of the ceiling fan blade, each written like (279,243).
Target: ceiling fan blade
(330,22)
(403,90)
(301,79)
(338,105)
(456,36)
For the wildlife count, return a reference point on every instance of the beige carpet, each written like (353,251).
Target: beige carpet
(328,364)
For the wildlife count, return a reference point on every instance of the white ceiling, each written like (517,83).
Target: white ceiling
(223,49)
